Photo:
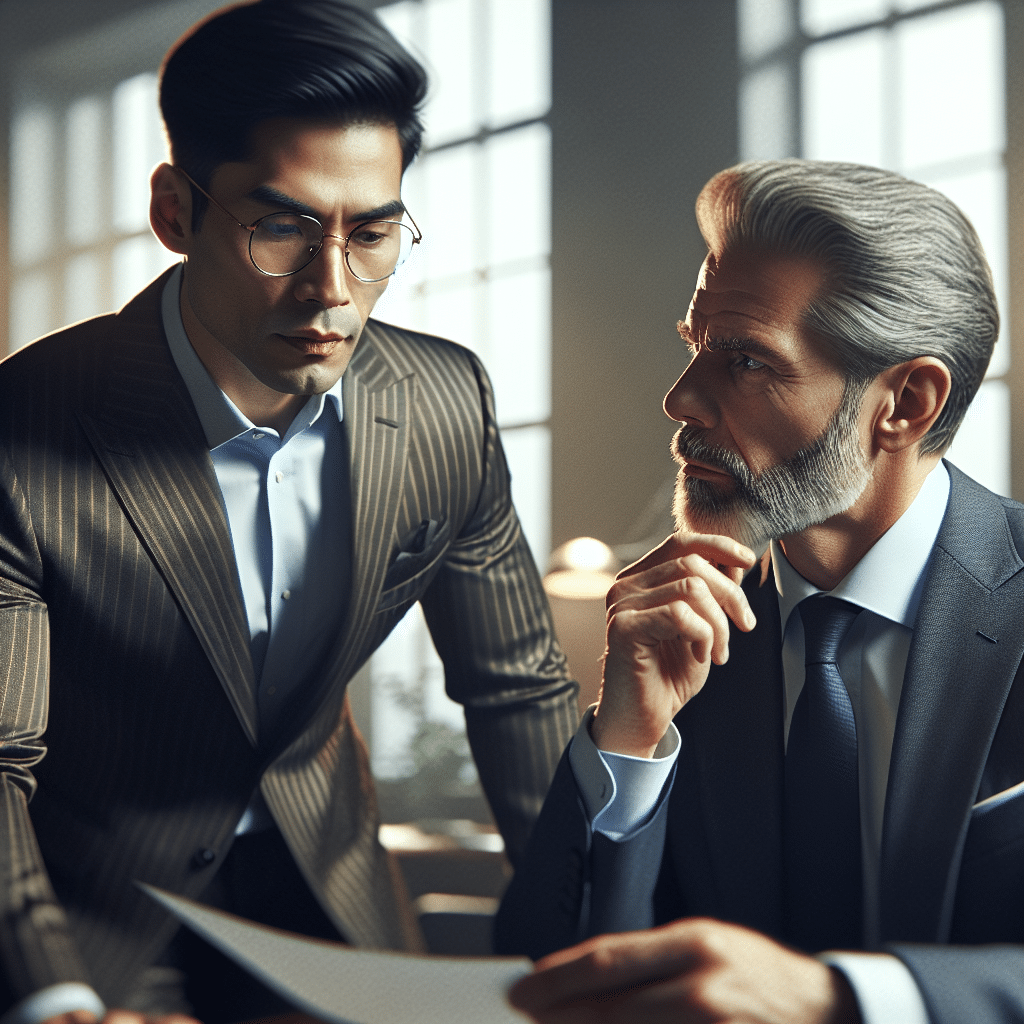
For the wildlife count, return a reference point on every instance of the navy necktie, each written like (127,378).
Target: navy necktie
(822,802)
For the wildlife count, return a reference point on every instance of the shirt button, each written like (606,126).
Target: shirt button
(259,436)
(286,594)
(279,477)
(203,858)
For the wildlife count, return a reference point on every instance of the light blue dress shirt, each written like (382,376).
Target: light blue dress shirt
(287,505)
(621,793)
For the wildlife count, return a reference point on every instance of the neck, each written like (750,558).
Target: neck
(260,404)
(826,553)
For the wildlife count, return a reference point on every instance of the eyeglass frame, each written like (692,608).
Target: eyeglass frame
(251,228)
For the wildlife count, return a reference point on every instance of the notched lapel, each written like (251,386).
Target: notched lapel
(966,648)
(377,419)
(146,435)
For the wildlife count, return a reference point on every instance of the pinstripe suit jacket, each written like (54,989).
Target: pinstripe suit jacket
(129,739)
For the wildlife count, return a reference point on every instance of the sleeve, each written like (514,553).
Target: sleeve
(980,984)
(885,989)
(36,949)
(49,1002)
(575,882)
(490,622)
(620,793)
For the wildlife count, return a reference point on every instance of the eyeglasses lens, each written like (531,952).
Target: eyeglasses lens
(284,243)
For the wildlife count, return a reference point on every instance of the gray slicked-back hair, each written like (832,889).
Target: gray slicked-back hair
(905,274)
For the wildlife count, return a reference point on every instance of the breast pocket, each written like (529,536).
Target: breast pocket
(990,893)
(413,567)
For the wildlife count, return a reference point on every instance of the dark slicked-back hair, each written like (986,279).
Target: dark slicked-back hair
(905,274)
(283,58)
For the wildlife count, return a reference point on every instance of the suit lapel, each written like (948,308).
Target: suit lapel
(378,409)
(966,647)
(147,436)
(735,732)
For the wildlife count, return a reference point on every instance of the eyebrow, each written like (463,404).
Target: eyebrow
(736,344)
(270,196)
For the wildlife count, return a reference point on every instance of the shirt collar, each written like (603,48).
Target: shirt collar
(221,418)
(889,579)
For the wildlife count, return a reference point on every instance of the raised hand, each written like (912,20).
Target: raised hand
(668,620)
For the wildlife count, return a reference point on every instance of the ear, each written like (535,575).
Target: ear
(170,208)
(915,393)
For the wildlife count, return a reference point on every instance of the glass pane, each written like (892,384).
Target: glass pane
(519,194)
(764,25)
(982,196)
(842,99)
(452,60)
(766,114)
(519,65)
(85,205)
(453,312)
(518,354)
(82,284)
(981,448)
(402,22)
(136,262)
(402,669)
(529,458)
(33,157)
(950,105)
(137,147)
(451,210)
(820,16)
(33,308)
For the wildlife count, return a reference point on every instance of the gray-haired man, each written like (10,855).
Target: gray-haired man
(836,774)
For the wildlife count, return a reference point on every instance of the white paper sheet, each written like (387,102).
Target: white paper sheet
(357,986)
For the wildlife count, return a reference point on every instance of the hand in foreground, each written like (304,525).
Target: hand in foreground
(668,620)
(118,1017)
(690,971)
(130,1017)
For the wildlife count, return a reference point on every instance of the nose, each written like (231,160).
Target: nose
(326,280)
(690,398)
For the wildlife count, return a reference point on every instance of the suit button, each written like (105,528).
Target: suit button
(203,858)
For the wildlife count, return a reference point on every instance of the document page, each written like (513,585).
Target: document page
(357,986)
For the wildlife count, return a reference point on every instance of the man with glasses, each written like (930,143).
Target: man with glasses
(214,506)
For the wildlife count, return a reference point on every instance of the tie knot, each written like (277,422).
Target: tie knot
(826,621)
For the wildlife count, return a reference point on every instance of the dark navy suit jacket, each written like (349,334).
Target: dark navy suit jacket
(951,873)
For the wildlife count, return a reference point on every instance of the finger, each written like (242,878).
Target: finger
(600,967)
(666,582)
(123,1017)
(716,549)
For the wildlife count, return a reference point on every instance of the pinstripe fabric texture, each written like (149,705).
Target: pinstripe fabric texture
(124,648)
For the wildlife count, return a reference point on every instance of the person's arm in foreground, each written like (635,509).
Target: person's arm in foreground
(692,970)
(668,620)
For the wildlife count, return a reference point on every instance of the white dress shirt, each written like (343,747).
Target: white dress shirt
(887,584)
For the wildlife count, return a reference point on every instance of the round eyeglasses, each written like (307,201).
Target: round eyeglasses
(282,244)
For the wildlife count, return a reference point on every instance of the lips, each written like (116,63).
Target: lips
(699,459)
(312,343)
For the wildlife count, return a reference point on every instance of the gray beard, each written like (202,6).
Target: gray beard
(818,482)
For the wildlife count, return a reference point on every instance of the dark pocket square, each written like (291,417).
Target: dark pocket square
(419,549)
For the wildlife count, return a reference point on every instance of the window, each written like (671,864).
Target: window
(913,86)
(480,192)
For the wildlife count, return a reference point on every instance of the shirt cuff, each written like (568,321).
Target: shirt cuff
(48,1002)
(620,792)
(884,987)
